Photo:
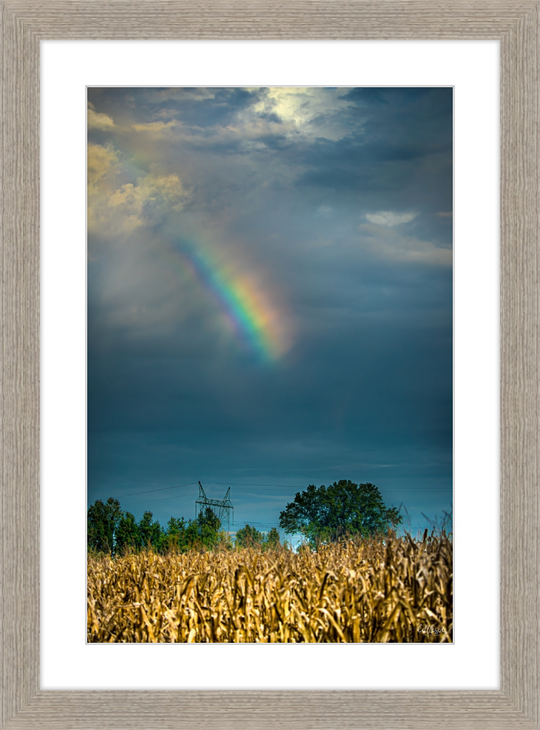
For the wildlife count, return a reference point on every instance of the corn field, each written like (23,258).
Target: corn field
(392,590)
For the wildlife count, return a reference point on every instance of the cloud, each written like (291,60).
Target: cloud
(102,161)
(102,168)
(325,211)
(181,93)
(96,120)
(444,214)
(387,218)
(133,205)
(167,189)
(253,129)
(166,113)
(311,112)
(389,245)
(113,210)
(155,126)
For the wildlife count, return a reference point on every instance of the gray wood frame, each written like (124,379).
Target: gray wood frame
(23,24)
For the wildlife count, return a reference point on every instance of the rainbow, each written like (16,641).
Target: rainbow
(240,298)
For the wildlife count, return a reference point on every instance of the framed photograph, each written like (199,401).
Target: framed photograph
(270,278)
(26,699)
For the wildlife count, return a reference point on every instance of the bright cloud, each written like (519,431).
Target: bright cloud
(96,120)
(314,112)
(387,218)
(102,161)
(120,210)
(137,204)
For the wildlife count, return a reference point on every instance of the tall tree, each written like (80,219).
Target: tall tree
(208,526)
(150,532)
(175,538)
(102,522)
(342,509)
(127,538)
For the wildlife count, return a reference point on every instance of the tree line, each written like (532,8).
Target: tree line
(318,514)
(112,530)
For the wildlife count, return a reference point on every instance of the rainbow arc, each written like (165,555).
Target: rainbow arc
(247,307)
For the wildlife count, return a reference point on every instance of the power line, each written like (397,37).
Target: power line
(233,484)
(161,489)
(243,484)
(401,495)
(150,501)
(296,486)
(399,490)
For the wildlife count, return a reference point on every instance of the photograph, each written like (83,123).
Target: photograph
(270,374)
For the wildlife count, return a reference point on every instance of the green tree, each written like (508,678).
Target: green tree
(127,537)
(102,523)
(175,536)
(150,532)
(271,540)
(110,530)
(326,514)
(191,537)
(208,528)
(249,536)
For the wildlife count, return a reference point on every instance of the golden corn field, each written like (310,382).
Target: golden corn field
(396,590)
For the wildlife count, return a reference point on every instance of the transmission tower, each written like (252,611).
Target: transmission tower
(222,508)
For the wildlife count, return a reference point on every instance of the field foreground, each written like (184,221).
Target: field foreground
(399,590)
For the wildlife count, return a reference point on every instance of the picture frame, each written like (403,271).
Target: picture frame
(515,25)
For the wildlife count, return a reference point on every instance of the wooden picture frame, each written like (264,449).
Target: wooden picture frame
(515,24)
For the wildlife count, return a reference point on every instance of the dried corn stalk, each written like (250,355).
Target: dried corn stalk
(391,590)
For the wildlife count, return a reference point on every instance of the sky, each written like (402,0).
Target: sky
(269,296)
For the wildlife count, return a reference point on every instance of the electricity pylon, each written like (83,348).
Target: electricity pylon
(222,508)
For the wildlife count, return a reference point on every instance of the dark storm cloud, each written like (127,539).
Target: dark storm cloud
(337,203)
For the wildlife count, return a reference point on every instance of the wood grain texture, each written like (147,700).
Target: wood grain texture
(19,363)
(520,564)
(267,19)
(23,704)
(231,710)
